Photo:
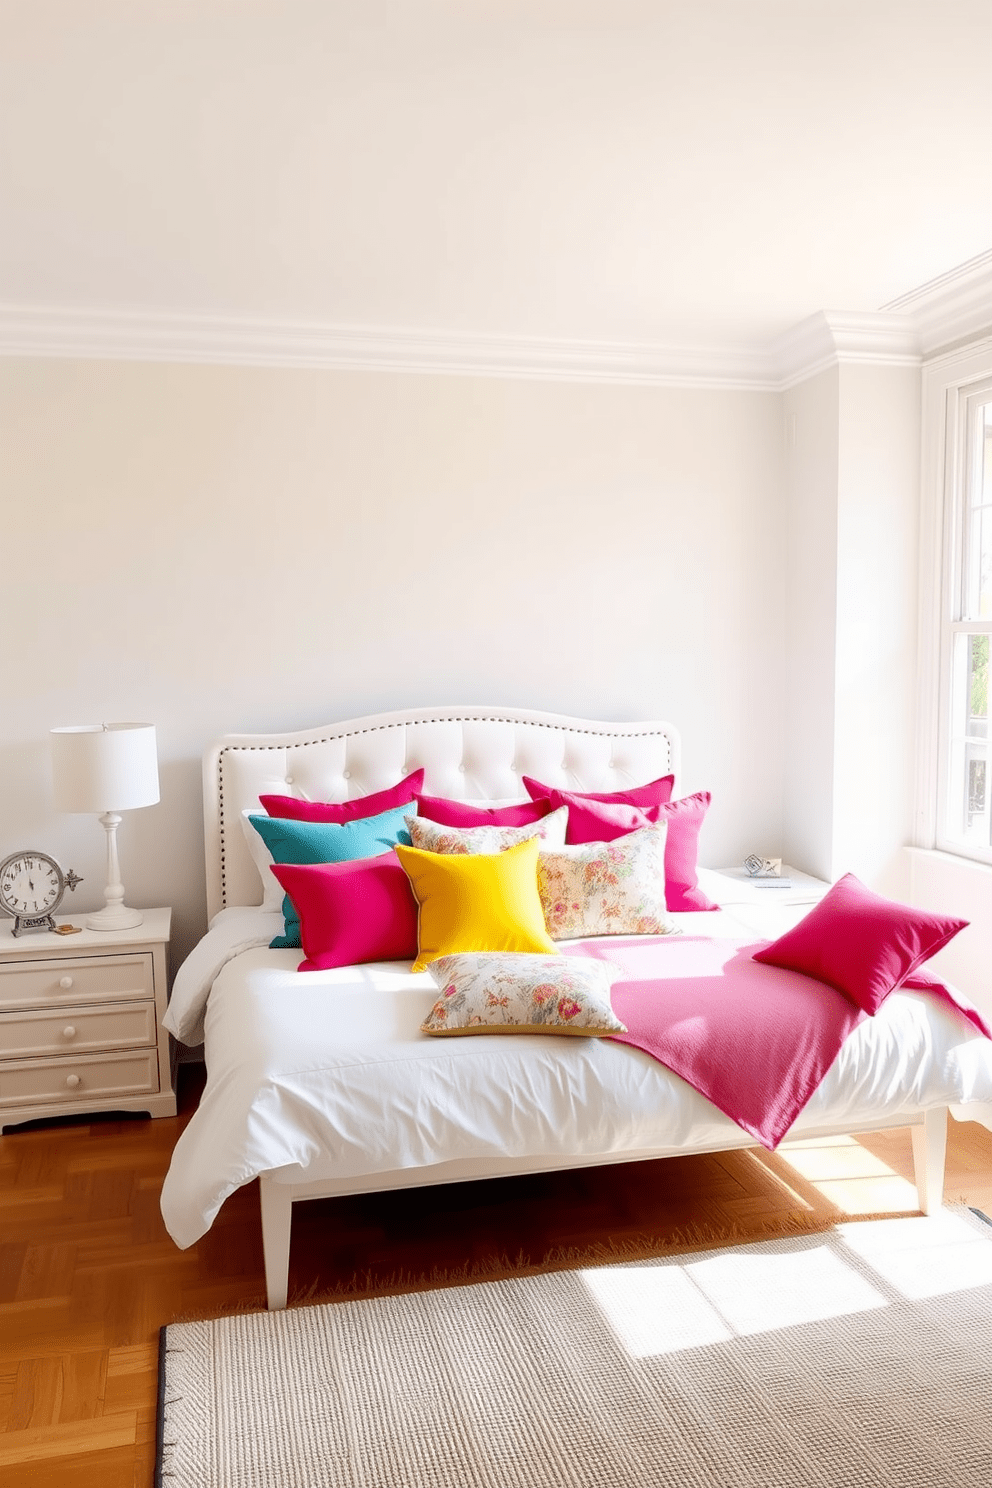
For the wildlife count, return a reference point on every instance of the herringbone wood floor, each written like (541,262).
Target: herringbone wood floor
(88,1274)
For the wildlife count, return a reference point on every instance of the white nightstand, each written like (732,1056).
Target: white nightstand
(81,1021)
(766,909)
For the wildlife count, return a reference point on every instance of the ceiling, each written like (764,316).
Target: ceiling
(635,172)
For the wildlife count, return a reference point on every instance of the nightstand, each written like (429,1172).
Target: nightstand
(81,1022)
(761,905)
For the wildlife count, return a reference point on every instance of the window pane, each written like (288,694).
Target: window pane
(978,572)
(978,800)
(978,686)
(976,806)
(971,771)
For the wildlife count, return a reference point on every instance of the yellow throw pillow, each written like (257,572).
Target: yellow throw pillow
(477,902)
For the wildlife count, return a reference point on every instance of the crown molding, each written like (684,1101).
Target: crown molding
(42,331)
(949,309)
(832,337)
(952,307)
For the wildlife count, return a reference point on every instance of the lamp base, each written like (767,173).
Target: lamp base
(115,914)
(114,917)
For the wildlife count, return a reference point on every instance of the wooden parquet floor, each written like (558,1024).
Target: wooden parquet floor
(88,1274)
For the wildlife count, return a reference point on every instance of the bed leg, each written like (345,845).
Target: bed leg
(929,1147)
(277,1217)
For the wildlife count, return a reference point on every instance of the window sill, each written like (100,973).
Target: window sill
(951,861)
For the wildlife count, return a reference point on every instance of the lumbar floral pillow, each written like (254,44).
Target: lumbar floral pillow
(485,992)
(431,836)
(606,888)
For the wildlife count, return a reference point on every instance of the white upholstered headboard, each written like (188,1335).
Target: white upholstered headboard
(469,753)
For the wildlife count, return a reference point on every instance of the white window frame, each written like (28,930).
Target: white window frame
(950,382)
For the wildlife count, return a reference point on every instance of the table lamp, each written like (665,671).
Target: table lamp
(106,768)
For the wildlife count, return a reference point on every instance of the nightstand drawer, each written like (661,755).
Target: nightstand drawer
(73,1030)
(25,1082)
(43,984)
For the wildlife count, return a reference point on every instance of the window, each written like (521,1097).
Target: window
(960,528)
(969,806)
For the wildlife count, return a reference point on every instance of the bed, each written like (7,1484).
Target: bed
(321,1083)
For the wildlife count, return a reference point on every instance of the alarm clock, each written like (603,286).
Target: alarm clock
(31,889)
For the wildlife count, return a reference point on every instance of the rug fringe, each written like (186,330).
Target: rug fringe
(685,1240)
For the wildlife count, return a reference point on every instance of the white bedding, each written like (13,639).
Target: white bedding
(327,1073)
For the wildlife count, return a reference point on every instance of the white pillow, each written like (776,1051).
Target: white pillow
(606,888)
(515,992)
(272,890)
(431,836)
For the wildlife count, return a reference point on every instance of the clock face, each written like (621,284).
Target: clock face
(31,883)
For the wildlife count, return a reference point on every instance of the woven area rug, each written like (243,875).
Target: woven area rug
(854,1358)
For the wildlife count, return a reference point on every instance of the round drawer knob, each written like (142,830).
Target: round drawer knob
(72,1081)
(65,982)
(68,1031)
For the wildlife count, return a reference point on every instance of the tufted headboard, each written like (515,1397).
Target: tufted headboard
(469,753)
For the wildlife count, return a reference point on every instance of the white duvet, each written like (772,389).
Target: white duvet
(328,1074)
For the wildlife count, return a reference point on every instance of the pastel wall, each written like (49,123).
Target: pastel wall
(217,548)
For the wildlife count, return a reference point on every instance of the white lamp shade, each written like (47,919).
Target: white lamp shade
(100,767)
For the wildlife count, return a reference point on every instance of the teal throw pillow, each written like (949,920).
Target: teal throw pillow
(327,842)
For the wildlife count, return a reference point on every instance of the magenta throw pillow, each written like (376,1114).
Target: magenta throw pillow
(602,821)
(352,912)
(289,808)
(655,793)
(860,943)
(684,817)
(449,813)
(591,819)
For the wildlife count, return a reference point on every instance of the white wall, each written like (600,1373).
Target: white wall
(214,549)
(853,434)
(809,620)
(877,623)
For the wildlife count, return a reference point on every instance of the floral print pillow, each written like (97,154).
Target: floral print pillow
(606,888)
(514,992)
(433,837)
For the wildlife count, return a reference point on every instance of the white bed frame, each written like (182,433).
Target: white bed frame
(469,753)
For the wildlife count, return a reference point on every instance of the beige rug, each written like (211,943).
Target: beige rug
(854,1358)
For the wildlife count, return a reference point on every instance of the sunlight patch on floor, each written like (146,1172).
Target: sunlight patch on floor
(849,1176)
(757,1293)
(923,1257)
(700,1301)
(655,1310)
(762,1160)
(660,1310)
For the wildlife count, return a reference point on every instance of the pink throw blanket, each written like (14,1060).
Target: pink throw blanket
(756,1040)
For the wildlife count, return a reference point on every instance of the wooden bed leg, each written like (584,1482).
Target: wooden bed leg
(929,1146)
(277,1218)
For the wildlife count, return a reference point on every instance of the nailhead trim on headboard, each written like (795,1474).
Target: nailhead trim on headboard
(616,731)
